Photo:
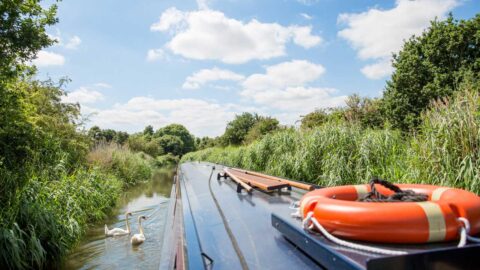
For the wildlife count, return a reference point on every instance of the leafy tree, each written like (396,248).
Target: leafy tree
(263,126)
(141,143)
(430,66)
(186,140)
(314,119)
(121,137)
(148,131)
(205,142)
(364,111)
(22,35)
(238,128)
(172,144)
(107,135)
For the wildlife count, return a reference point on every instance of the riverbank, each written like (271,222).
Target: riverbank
(444,150)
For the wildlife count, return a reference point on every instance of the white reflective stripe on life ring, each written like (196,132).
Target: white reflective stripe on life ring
(437,193)
(362,190)
(436,222)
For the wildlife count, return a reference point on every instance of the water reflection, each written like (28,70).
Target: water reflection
(97,251)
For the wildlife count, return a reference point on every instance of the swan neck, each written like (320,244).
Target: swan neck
(140,225)
(128,224)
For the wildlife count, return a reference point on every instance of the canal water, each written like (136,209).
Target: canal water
(99,252)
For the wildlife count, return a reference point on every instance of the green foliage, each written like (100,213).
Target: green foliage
(47,193)
(431,66)
(175,139)
(238,128)
(99,135)
(141,143)
(445,151)
(326,155)
(263,126)
(148,131)
(205,142)
(52,214)
(246,128)
(22,33)
(120,161)
(165,161)
(361,111)
(314,119)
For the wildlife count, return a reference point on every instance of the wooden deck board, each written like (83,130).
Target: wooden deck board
(262,183)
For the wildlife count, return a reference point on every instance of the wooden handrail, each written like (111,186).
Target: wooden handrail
(239,181)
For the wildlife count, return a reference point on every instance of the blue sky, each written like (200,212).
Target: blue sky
(198,63)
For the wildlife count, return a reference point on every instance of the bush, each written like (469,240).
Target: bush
(128,166)
(52,215)
(168,160)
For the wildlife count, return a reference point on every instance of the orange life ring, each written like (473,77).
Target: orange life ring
(435,220)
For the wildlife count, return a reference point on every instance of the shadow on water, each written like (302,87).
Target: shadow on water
(99,252)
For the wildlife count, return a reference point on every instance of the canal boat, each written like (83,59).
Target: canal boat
(227,218)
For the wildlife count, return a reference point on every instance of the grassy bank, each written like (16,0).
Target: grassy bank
(444,151)
(54,208)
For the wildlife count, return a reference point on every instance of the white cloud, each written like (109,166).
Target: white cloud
(378,70)
(208,34)
(287,74)
(285,87)
(306,16)
(73,43)
(376,34)
(46,58)
(169,18)
(83,95)
(204,76)
(302,35)
(103,85)
(155,54)
(202,118)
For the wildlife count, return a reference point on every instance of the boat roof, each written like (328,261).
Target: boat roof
(225,229)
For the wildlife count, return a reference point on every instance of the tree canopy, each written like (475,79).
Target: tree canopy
(430,66)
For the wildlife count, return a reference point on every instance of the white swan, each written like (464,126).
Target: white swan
(139,238)
(119,231)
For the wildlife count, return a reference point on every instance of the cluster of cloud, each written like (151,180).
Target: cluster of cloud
(202,118)
(210,35)
(376,34)
(284,90)
(204,76)
(86,95)
(284,86)
(155,54)
(46,58)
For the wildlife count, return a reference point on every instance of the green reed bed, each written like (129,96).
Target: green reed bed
(51,212)
(444,151)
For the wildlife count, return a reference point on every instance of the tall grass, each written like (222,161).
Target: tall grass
(121,161)
(50,215)
(52,210)
(445,151)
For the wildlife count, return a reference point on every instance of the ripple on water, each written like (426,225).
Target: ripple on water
(99,252)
